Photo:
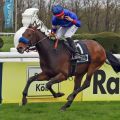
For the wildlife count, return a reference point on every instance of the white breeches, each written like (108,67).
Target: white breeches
(66,31)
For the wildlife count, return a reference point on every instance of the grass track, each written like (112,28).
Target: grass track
(50,111)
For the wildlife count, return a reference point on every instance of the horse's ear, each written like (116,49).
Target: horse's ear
(30,26)
(35,24)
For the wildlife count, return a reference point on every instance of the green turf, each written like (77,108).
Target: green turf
(50,111)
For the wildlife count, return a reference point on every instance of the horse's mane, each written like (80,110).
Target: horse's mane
(40,25)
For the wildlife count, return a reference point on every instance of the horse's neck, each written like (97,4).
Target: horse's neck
(44,46)
(42,33)
(49,56)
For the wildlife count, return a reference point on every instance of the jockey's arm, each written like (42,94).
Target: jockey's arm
(54,29)
(54,25)
(74,19)
(76,22)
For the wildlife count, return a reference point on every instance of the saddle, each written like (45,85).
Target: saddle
(84,56)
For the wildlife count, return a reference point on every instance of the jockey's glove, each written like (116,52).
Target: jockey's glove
(52,34)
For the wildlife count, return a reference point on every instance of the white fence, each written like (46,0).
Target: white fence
(7,34)
(17,57)
(14,56)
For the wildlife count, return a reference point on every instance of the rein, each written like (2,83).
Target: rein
(26,41)
(39,40)
(56,42)
(32,46)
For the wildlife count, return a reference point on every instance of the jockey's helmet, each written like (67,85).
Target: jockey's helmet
(58,10)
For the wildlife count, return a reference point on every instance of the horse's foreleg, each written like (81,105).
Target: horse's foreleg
(58,78)
(38,77)
(77,83)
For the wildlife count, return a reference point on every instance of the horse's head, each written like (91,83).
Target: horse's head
(28,39)
(32,35)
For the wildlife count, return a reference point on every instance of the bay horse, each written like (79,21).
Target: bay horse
(56,64)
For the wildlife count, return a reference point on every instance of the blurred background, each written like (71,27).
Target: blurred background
(100,19)
(96,15)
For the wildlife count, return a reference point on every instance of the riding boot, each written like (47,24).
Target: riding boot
(75,52)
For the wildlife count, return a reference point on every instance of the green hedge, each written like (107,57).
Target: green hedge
(1,42)
(8,43)
(110,41)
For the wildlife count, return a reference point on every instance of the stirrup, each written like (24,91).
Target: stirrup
(76,56)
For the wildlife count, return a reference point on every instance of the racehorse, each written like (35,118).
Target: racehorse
(56,64)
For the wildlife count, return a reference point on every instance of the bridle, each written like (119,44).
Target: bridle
(27,42)
(39,40)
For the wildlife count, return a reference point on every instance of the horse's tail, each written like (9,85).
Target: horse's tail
(114,62)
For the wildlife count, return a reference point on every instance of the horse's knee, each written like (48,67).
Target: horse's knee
(31,79)
(48,85)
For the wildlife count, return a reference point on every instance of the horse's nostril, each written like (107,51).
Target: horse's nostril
(19,49)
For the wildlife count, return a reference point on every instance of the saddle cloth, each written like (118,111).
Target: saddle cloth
(82,49)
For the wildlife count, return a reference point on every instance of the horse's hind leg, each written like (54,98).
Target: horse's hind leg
(77,84)
(86,84)
(38,77)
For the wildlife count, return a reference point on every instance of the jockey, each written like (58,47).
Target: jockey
(68,22)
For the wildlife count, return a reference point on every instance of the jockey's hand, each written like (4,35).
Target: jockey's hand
(52,34)
(68,18)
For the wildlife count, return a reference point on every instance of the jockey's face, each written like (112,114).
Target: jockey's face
(61,17)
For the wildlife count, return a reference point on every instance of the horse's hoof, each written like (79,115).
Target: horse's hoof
(59,95)
(63,109)
(70,97)
(24,101)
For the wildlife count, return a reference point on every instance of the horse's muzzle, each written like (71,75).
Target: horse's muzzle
(21,50)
